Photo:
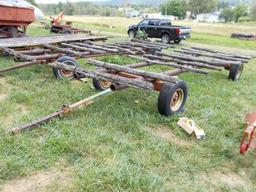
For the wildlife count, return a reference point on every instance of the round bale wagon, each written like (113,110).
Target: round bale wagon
(14,20)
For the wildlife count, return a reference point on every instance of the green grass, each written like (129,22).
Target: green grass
(117,143)
(206,33)
(225,41)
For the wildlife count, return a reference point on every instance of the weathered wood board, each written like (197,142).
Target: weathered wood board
(34,41)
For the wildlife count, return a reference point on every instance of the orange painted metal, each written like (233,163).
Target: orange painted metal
(158,85)
(249,137)
(16,16)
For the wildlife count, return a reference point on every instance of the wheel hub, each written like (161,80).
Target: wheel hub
(66,73)
(105,84)
(177,99)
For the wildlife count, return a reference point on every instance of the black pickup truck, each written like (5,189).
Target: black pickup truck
(160,28)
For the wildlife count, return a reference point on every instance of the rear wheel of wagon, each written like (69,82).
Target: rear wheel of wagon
(62,73)
(235,72)
(172,98)
(100,85)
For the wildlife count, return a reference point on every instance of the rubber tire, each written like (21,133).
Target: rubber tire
(134,34)
(52,30)
(177,41)
(67,31)
(234,69)
(13,31)
(97,85)
(61,60)
(167,36)
(165,96)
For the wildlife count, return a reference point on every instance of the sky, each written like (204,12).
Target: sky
(56,1)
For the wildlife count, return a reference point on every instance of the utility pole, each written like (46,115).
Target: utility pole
(125,2)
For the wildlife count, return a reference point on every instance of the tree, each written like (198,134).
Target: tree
(59,8)
(174,7)
(69,8)
(33,2)
(223,4)
(202,6)
(253,11)
(228,14)
(240,11)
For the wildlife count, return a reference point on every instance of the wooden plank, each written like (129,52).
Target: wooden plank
(99,75)
(184,67)
(35,41)
(132,71)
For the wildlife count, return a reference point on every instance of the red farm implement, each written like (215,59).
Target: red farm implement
(249,135)
(14,20)
(58,26)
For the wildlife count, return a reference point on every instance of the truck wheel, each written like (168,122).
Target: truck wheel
(67,31)
(100,85)
(53,30)
(172,98)
(13,32)
(235,72)
(62,73)
(131,34)
(177,41)
(165,38)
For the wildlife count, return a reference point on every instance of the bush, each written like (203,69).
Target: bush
(244,19)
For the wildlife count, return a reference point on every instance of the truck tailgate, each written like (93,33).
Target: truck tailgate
(185,30)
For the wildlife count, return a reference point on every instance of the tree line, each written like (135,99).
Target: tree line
(90,8)
(228,12)
(177,8)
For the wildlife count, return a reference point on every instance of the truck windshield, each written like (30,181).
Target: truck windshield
(143,23)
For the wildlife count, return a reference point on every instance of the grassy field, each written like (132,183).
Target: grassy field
(206,33)
(121,143)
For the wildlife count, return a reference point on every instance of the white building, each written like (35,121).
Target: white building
(209,17)
(159,16)
(132,13)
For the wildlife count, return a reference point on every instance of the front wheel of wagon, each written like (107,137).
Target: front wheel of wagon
(172,98)
(235,72)
(62,73)
(100,85)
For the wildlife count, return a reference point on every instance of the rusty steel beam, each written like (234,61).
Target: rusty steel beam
(22,65)
(64,110)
